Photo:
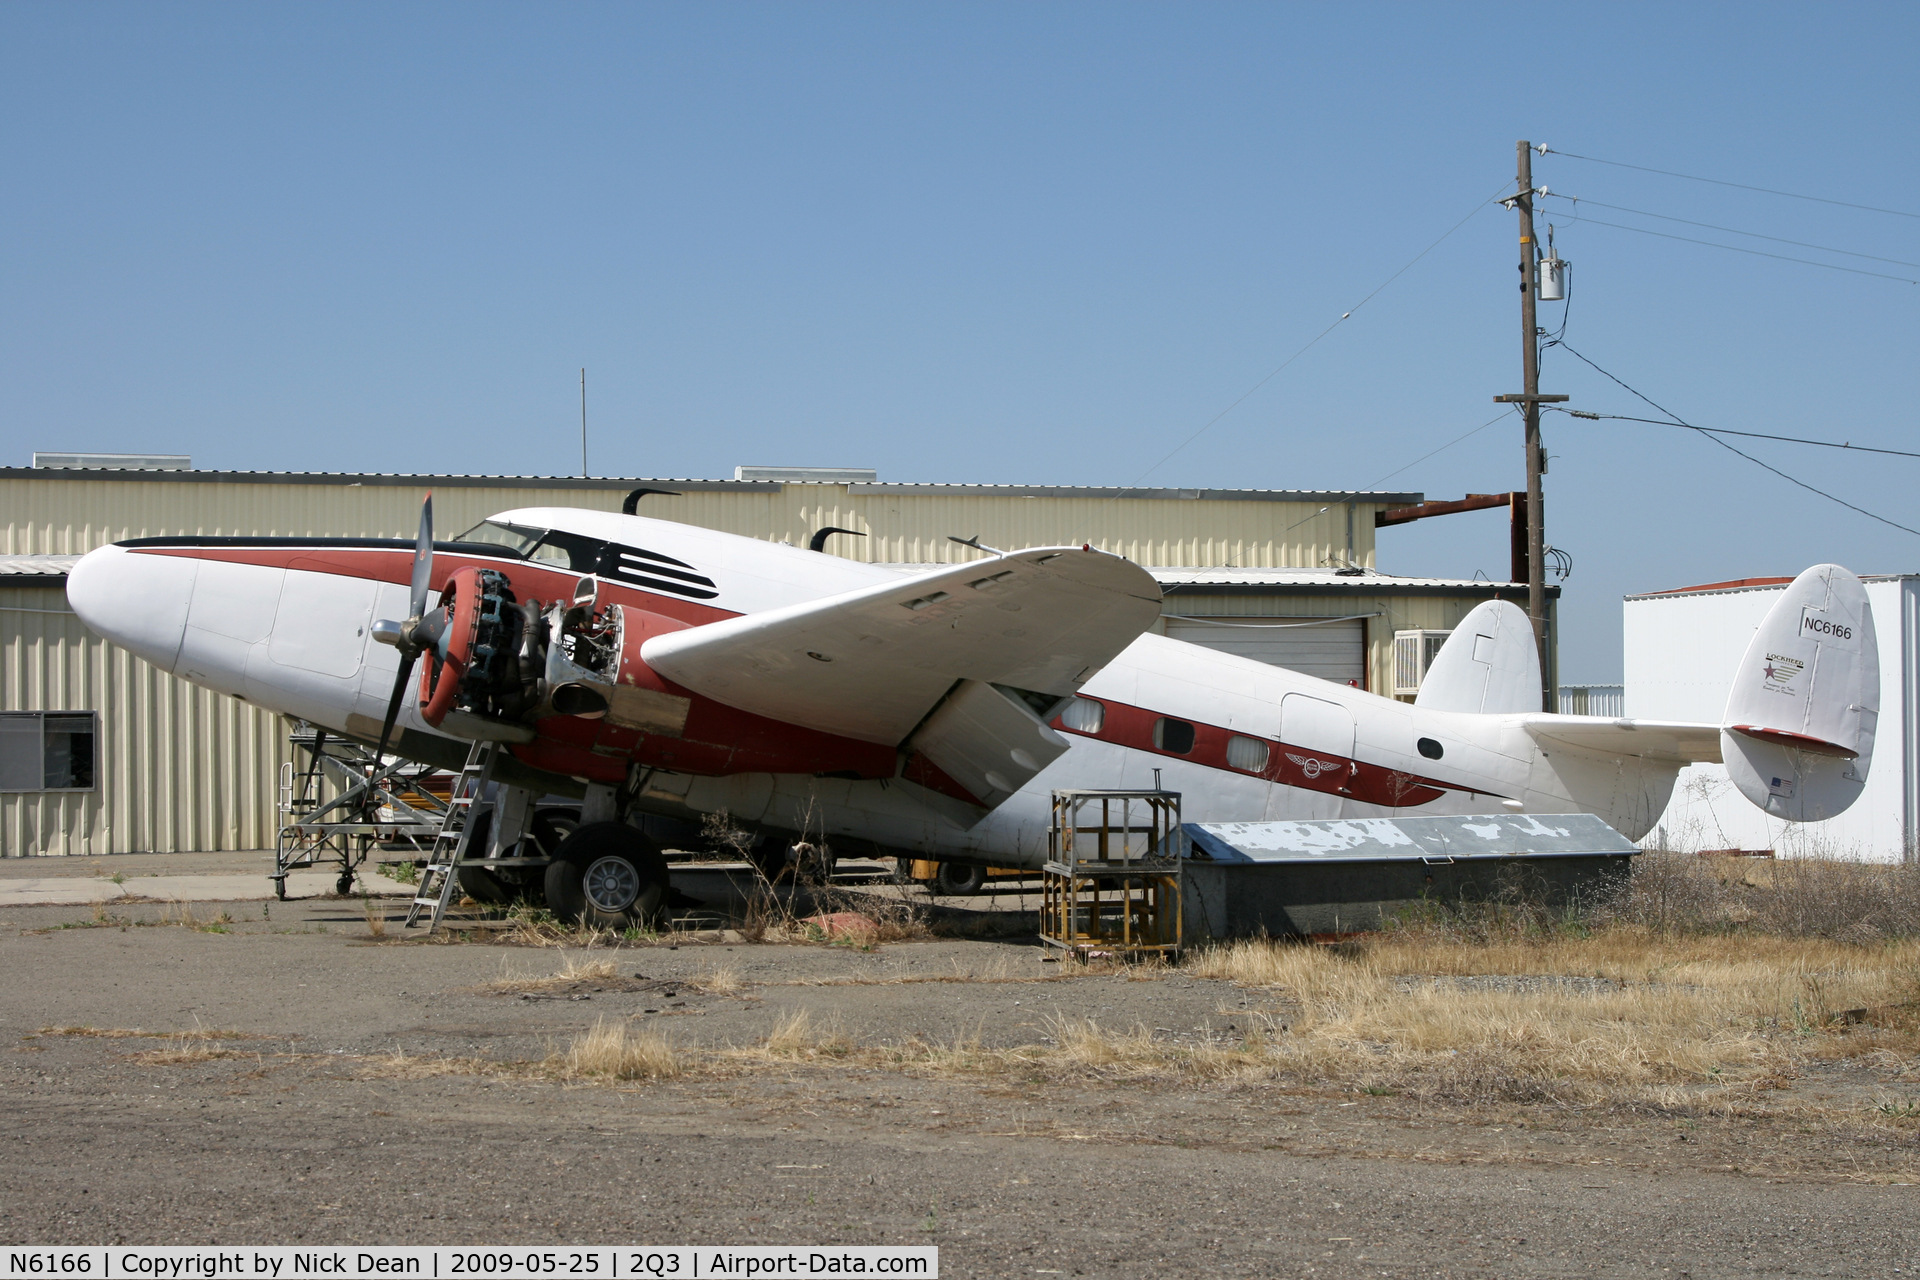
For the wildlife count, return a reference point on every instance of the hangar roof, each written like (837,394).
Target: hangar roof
(875,487)
(47,568)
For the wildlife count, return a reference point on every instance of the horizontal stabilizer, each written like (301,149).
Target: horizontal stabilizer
(1667,740)
(871,663)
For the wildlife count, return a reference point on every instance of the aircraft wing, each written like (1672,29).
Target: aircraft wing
(873,662)
(1658,739)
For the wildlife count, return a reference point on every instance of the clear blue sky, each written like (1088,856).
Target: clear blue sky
(1021,243)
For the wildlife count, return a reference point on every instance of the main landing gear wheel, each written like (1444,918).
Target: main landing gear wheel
(607,874)
(957,879)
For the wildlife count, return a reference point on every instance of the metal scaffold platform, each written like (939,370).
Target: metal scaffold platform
(339,802)
(1113,877)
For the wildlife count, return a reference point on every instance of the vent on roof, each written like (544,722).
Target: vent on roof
(808,475)
(115,461)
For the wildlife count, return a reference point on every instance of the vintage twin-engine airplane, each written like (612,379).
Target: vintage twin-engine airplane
(677,671)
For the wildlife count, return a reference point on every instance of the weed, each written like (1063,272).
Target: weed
(128,1033)
(573,969)
(610,1050)
(376,916)
(794,1037)
(723,981)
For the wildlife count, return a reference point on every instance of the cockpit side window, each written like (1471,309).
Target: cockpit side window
(579,553)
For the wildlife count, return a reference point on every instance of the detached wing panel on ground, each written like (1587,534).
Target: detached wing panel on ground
(872,663)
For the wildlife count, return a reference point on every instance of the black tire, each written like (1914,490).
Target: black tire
(478,883)
(549,831)
(607,874)
(769,858)
(814,864)
(959,879)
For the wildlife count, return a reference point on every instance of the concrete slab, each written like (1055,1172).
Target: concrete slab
(19,891)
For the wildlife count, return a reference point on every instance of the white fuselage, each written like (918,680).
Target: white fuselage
(285,625)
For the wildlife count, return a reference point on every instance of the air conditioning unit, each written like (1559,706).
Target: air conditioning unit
(1413,653)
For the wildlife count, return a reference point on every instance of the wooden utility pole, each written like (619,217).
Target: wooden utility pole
(1530,400)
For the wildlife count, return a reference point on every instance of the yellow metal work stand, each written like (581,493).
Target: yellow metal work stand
(1113,873)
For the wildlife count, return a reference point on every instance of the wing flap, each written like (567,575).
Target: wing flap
(871,663)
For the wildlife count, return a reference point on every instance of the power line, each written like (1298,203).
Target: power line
(1443,448)
(1667,217)
(1727,431)
(1677,420)
(1668,173)
(1734,248)
(1314,341)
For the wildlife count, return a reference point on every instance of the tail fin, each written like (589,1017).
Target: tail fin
(1489,665)
(1797,735)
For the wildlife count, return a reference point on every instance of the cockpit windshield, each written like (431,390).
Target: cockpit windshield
(517,540)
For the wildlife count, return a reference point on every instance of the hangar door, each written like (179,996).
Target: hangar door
(1334,651)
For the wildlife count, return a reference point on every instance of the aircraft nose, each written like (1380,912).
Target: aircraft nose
(137,601)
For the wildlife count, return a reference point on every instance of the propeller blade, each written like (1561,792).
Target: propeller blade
(422,560)
(393,703)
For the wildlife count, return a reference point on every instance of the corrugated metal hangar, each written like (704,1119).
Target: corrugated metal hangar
(101,753)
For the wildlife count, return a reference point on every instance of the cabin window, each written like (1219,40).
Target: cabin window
(1083,715)
(1247,754)
(46,751)
(1173,735)
(1430,748)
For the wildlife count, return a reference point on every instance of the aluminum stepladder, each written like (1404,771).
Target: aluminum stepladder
(442,873)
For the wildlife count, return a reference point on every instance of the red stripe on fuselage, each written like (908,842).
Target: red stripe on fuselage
(1132,727)
(379,564)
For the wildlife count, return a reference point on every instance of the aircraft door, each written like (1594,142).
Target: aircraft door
(1320,733)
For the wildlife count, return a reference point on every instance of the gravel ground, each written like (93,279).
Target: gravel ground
(308,1133)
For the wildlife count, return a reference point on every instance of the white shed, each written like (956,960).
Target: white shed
(1681,650)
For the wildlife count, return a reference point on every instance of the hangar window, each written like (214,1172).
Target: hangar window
(46,751)
(1083,715)
(1248,754)
(1173,735)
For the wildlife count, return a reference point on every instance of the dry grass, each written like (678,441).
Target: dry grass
(127,1033)
(573,969)
(376,916)
(1621,1018)
(1622,1014)
(1807,897)
(725,980)
(795,1037)
(185,1049)
(612,1051)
